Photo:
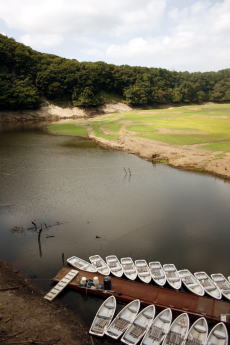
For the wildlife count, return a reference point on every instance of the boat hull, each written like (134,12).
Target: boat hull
(127,290)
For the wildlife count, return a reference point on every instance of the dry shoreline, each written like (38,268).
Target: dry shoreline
(52,112)
(181,157)
(27,318)
(185,157)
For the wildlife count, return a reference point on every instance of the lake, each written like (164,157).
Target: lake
(79,191)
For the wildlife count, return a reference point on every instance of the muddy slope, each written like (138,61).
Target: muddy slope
(26,318)
(51,112)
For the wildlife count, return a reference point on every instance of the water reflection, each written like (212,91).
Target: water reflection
(99,201)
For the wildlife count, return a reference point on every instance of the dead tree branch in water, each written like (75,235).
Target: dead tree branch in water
(39,241)
(35,224)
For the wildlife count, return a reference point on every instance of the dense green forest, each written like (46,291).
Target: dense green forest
(27,77)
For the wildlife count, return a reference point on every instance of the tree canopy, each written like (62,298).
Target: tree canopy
(27,77)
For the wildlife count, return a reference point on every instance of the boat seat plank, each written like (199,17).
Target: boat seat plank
(158,276)
(200,329)
(219,279)
(164,319)
(148,315)
(170,269)
(174,279)
(155,266)
(116,269)
(141,265)
(130,271)
(210,288)
(133,309)
(109,306)
(102,316)
(182,325)
(113,333)
(137,323)
(124,318)
(144,274)
(219,335)
(192,285)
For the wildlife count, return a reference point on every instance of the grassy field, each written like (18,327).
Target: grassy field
(207,126)
(68,129)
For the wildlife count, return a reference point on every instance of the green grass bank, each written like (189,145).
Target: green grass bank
(205,126)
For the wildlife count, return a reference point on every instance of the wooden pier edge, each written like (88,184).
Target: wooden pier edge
(162,297)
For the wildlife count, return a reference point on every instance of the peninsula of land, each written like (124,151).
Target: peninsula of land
(195,137)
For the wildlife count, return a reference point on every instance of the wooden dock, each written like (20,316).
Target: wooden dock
(162,297)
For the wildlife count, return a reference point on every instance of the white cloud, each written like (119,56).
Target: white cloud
(60,16)
(198,37)
(47,23)
(41,40)
(192,35)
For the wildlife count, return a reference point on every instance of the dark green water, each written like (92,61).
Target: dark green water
(157,213)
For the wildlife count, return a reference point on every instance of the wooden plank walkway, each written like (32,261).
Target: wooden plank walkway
(70,275)
(162,297)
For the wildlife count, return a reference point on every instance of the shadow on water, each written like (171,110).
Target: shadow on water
(27,126)
(80,143)
(105,202)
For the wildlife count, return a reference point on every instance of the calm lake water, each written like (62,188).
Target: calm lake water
(82,191)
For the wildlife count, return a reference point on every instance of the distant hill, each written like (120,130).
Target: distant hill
(27,77)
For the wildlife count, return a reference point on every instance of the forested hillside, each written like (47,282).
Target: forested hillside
(27,77)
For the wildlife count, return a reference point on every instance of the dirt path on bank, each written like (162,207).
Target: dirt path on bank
(184,157)
(27,319)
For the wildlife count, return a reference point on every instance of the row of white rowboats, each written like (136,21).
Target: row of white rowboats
(198,283)
(132,326)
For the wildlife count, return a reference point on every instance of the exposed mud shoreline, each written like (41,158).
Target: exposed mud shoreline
(26,318)
(182,157)
(51,112)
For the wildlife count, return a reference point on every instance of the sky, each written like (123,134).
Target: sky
(174,34)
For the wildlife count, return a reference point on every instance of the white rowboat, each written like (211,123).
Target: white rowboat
(197,335)
(103,317)
(208,284)
(159,328)
(123,319)
(81,264)
(178,331)
(218,335)
(222,283)
(114,265)
(140,325)
(100,264)
(143,271)
(172,276)
(157,272)
(129,268)
(191,282)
